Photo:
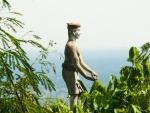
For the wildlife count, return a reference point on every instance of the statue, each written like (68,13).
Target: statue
(74,64)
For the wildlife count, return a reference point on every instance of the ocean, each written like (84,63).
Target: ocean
(104,62)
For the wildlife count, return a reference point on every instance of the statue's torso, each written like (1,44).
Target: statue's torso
(68,62)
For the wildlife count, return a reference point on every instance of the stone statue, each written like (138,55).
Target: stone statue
(74,64)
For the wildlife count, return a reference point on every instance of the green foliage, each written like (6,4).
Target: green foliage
(19,80)
(128,94)
(56,106)
(4,4)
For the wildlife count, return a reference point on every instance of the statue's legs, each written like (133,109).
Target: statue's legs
(74,88)
(73,100)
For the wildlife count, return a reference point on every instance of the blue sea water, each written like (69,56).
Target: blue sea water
(104,62)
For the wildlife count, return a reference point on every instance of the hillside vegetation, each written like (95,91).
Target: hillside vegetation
(19,80)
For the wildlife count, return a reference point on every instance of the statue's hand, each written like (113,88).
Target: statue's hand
(94,75)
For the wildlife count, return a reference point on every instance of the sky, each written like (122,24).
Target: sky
(106,24)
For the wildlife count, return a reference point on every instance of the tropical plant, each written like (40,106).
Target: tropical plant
(19,80)
(56,106)
(128,94)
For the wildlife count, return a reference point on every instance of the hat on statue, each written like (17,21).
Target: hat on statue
(73,25)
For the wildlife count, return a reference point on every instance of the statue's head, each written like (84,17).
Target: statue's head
(74,29)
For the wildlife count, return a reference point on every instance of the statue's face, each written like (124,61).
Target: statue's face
(76,32)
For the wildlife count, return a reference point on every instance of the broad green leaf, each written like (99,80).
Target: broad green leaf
(133,54)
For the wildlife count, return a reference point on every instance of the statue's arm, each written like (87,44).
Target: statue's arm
(84,65)
(76,60)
